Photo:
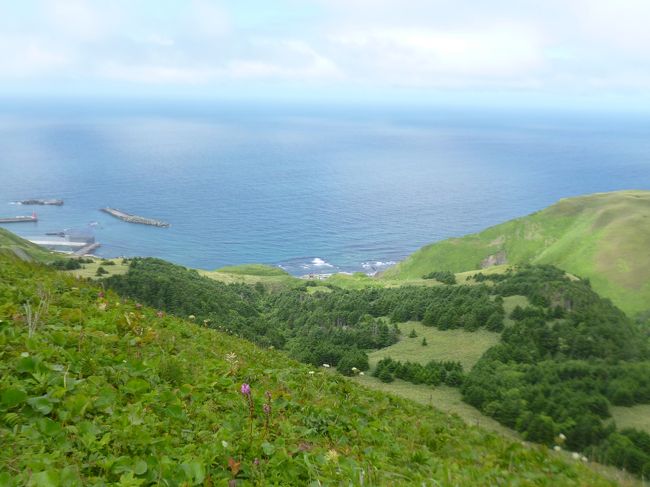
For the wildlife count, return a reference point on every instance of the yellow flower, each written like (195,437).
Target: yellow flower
(332,456)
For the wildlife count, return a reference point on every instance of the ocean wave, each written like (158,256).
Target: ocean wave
(377,263)
(318,262)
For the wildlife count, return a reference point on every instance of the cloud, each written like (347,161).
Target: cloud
(287,60)
(24,57)
(439,57)
(554,46)
(79,20)
(284,59)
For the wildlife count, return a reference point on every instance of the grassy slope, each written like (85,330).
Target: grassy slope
(463,346)
(13,244)
(271,277)
(632,417)
(459,345)
(104,390)
(604,237)
(89,270)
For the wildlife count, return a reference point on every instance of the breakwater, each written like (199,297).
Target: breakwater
(17,219)
(41,202)
(128,217)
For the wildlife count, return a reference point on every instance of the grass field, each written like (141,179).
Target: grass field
(632,417)
(604,237)
(272,277)
(89,270)
(465,347)
(359,280)
(443,398)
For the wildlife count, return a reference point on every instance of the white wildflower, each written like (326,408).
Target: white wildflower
(311,372)
(562,437)
(575,456)
(327,366)
(24,354)
(224,443)
(557,448)
(361,373)
(584,459)
(332,455)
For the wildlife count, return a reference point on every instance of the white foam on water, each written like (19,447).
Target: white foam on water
(318,262)
(378,263)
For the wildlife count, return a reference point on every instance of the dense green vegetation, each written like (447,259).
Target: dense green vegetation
(565,359)
(603,237)
(433,373)
(445,277)
(73,264)
(96,390)
(558,369)
(316,328)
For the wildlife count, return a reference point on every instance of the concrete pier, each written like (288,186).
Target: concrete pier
(127,217)
(58,243)
(88,249)
(41,202)
(18,219)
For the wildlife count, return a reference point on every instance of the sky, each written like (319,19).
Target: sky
(577,51)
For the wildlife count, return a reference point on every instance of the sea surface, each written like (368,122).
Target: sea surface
(312,189)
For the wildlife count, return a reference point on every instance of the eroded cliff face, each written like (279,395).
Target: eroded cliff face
(495,259)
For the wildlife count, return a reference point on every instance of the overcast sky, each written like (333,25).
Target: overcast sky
(327,49)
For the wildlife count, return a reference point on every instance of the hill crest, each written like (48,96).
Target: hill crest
(603,237)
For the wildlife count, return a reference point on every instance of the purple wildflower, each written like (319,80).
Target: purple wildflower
(246,389)
(267,409)
(138,306)
(256,461)
(100,294)
(160,314)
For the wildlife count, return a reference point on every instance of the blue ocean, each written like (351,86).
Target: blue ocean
(308,188)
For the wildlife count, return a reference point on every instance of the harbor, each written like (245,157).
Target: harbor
(73,242)
(128,217)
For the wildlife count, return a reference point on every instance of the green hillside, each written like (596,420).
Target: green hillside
(11,244)
(96,390)
(604,237)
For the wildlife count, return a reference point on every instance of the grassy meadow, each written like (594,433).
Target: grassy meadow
(270,276)
(632,417)
(463,346)
(89,269)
